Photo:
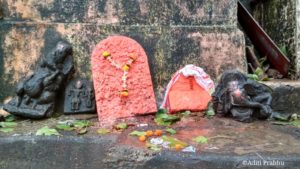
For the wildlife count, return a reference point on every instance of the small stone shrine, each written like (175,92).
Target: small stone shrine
(122,80)
(79,97)
(36,95)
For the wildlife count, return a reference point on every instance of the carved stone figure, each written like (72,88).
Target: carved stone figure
(79,97)
(242,98)
(36,95)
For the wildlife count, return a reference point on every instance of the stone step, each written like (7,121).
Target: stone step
(231,145)
(123,12)
(168,48)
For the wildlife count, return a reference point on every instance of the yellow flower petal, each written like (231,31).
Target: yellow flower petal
(105,54)
(125,67)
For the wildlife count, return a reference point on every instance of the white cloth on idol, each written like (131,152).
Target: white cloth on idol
(200,76)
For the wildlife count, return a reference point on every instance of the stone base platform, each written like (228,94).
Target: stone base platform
(231,144)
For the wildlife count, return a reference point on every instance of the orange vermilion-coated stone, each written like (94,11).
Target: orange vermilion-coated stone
(108,80)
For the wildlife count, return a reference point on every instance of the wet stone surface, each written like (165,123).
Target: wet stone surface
(225,136)
(230,143)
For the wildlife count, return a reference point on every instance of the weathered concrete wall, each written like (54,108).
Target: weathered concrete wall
(278,18)
(173,33)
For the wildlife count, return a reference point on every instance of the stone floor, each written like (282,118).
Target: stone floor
(230,144)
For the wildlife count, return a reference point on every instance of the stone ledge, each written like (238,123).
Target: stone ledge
(286,96)
(101,152)
(124,12)
(229,143)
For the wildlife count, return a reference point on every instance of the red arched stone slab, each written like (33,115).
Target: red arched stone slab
(107,81)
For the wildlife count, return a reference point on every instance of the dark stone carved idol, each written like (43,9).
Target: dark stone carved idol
(79,97)
(36,95)
(242,98)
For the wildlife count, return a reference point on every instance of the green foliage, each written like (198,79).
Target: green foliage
(137,133)
(171,131)
(259,72)
(285,119)
(103,131)
(262,60)
(8,124)
(46,131)
(295,123)
(153,147)
(283,50)
(6,130)
(10,118)
(281,116)
(258,75)
(164,119)
(186,113)
(81,130)
(74,125)
(173,141)
(253,77)
(210,111)
(200,139)
(121,126)
(80,126)
(65,127)
(82,123)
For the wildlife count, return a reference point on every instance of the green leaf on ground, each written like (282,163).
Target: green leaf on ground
(186,113)
(210,112)
(281,116)
(46,131)
(174,141)
(280,123)
(103,131)
(65,127)
(171,131)
(6,130)
(153,147)
(200,139)
(81,130)
(10,118)
(82,123)
(137,133)
(8,124)
(121,126)
(164,119)
(295,116)
(295,123)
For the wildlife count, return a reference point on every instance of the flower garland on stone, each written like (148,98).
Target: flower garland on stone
(125,68)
